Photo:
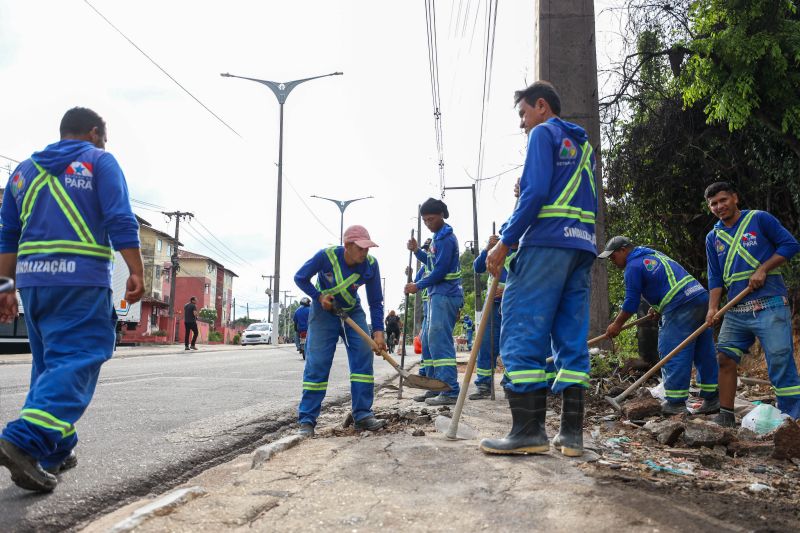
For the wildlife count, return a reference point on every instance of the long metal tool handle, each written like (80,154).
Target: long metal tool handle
(681,346)
(405,324)
(492,347)
(603,337)
(488,305)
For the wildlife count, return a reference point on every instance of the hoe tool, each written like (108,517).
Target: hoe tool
(615,402)
(409,380)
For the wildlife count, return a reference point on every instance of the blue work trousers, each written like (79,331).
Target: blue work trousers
(469,338)
(490,348)
(675,327)
(425,366)
(71,333)
(324,330)
(546,310)
(442,313)
(773,328)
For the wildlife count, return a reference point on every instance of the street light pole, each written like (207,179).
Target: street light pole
(475,246)
(342,205)
(281,91)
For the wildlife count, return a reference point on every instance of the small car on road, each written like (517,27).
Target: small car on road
(258,333)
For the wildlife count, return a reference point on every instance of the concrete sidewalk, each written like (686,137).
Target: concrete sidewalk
(410,478)
(123,352)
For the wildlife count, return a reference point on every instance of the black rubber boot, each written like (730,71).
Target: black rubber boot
(528,433)
(570,436)
(482,393)
(369,423)
(70,462)
(25,470)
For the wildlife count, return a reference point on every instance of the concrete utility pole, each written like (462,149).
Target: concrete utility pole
(417,300)
(566,44)
(285,313)
(269,293)
(281,91)
(475,248)
(179,215)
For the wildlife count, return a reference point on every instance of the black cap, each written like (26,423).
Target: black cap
(432,206)
(615,244)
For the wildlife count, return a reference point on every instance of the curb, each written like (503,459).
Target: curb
(268,451)
(161,507)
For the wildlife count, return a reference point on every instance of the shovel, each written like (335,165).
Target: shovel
(615,402)
(450,427)
(409,380)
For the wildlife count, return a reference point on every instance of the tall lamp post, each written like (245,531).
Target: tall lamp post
(281,91)
(342,205)
(475,246)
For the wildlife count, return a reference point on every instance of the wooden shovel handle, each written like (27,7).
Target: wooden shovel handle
(372,344)
(629,325)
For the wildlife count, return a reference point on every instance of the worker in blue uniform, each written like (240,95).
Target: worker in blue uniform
(340,271)
(469,328)
(745,249)
(65,210)
(445,297)
(682,303)
(546,299)
(300,320)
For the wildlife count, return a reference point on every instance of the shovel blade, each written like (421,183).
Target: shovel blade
(422,382)
(464,432)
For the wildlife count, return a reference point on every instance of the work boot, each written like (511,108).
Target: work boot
(306,430)
(726,418)
(709,406)
(423,397)
(441,399)
(70,462)
(369,423)
(483,393)
(670,409)
(25,470)
(527,433)
(570,436)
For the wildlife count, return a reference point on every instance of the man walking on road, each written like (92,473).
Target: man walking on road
(744,250)
(300,320)
(190,323)
(682,303)
(546,299)
(469,329)
(63,210)
(340,271)
(445,297)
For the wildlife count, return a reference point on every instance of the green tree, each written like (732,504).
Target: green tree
(208,314)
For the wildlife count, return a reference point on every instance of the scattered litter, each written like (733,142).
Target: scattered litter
(758,487)
(658,391)
(763,419)
(652,465)
(615,442)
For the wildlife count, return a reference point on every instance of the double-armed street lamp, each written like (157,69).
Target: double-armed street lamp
(342,205)
(281,91)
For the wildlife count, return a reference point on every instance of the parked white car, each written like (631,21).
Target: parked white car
(258,333)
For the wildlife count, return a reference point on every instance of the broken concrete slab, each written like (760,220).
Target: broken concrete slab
(266,452)
(666,432)
(787,440)
(699,433)
(161,507)
(749,448)
(640,408)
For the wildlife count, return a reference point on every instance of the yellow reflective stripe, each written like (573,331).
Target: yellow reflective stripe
(566,211)
(453,275)
(65,247)
(787,391)
(676,393)
(310,385)
(33,192)
(70,210)
(362,378)
(526,376)
(570,376)
(47,421)
(341,284)
(672,292)
(736,248)
(705,387)
(483,371)
(575,180)
(443,362)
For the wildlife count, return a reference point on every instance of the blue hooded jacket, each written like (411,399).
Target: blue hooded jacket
(554,153)
(301,317)
(444,249)
(646,276)
(94,183)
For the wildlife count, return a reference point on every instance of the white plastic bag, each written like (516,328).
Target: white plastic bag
(763,419)
(658,392)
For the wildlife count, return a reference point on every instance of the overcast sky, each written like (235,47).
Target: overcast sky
(369,132)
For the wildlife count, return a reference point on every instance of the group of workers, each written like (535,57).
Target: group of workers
(543,258)
(66,209)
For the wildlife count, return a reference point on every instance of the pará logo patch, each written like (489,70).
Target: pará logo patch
(720,246)
(79,168)
(329,277)
(749,239)
(650,264)
(567,150)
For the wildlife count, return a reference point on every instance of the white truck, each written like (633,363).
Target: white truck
(128,315)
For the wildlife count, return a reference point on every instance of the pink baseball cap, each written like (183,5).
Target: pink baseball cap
(358,235)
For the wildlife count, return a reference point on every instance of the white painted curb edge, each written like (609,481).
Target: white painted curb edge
(266,452)
(161,507)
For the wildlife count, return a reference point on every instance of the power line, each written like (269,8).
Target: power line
(161,69)
(321,223)
(488,62)
(433,68)
(10,159)
(208,245)
(223,244)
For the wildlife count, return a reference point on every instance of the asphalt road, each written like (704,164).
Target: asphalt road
(158,419)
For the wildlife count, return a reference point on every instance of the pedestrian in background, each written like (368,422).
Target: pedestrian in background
(190,323)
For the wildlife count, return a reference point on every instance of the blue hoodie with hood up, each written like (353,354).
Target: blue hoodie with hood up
(96,186)
(554,152)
